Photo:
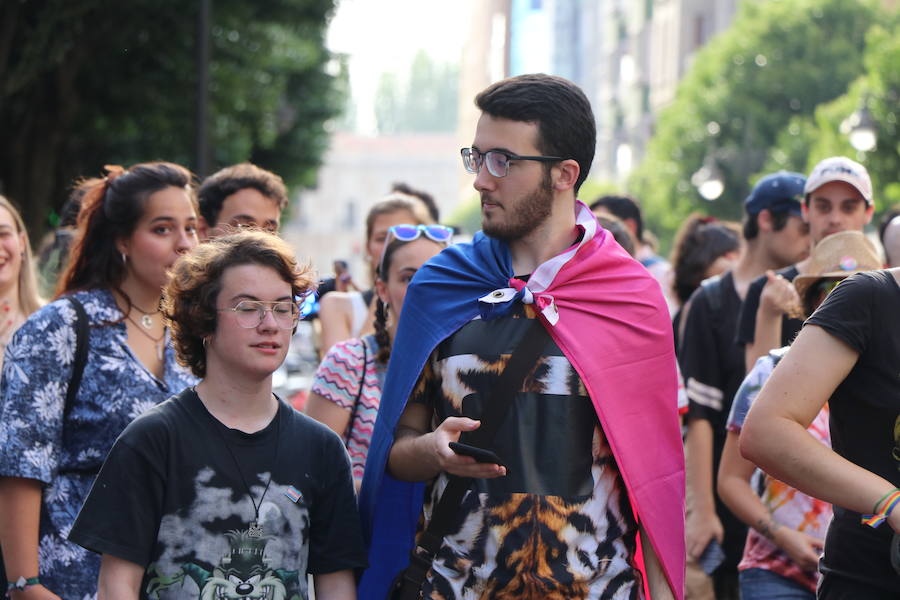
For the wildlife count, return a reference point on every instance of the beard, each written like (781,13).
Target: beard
(518,218)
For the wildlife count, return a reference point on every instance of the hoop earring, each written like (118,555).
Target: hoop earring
(124,258)
(206,342)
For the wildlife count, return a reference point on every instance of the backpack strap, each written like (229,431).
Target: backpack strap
(362,381)
(82,332)
(712,287)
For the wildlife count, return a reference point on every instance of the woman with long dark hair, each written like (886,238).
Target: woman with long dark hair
(132,226)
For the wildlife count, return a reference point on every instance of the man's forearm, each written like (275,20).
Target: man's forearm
(698,465)
(656,578)
(766,336)
(410,458)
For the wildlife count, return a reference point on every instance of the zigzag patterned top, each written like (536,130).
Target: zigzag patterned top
(338,379)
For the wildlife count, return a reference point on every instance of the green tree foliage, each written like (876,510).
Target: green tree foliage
(94,82)
(779,60)
(809,139)
(423,101)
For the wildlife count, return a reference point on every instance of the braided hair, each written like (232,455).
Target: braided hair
(382,336)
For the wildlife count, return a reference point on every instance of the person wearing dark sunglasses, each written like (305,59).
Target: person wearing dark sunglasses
(541,264)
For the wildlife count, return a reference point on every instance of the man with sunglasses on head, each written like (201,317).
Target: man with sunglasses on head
(589,443)
(239,196)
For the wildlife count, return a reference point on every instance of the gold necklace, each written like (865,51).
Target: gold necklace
(157,342)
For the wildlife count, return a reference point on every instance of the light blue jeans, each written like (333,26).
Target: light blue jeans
(762,584)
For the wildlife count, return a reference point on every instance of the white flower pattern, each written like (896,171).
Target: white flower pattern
(115,387)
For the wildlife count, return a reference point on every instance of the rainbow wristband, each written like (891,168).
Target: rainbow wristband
(878,518)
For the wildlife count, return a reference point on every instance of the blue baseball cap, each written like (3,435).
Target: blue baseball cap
(778,192)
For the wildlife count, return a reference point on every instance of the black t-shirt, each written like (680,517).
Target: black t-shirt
(864,312)
(170,498)
(713,368)
(746,331)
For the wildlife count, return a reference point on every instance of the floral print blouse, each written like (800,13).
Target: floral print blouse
(65,453)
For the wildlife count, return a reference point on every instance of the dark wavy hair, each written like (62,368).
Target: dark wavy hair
(562,112)
(698,244)
(189,299)
(110,210)
(233,179)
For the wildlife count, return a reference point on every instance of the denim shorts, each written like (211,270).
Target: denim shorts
(762,584)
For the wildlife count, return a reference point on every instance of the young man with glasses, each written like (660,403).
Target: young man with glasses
(579,484)
(239,196)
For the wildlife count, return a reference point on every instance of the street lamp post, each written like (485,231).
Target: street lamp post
(708,179)
(860,128)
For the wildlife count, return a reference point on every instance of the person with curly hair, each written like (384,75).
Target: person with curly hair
(224,490)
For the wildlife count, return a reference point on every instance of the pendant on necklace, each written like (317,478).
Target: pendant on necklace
(147,321)
(255,530)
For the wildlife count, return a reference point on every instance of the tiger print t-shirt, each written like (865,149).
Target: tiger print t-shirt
(559,524)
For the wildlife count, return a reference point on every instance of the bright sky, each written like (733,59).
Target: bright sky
(383,36)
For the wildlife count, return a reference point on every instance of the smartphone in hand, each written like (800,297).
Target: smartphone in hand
(479,454)
(712,557)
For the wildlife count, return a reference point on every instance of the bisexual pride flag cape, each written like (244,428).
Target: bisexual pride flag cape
(608,317)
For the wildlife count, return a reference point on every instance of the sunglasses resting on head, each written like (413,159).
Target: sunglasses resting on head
(440,234)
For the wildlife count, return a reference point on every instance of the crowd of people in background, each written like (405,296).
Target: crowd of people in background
(723,424)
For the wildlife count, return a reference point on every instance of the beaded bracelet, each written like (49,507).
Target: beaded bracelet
(890,501)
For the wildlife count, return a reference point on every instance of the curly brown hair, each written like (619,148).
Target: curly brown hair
(189,299)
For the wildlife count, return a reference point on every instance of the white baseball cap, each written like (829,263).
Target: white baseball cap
(840,168)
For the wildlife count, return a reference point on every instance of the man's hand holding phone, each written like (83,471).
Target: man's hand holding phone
(463,462)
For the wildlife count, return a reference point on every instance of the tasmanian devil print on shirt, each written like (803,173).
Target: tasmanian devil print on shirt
(235,563)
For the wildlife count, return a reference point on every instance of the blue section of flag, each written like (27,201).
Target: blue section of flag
(294,494)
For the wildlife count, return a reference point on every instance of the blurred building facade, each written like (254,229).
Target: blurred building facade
(328,222)
(627,55)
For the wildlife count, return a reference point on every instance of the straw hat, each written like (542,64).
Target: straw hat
(838,256)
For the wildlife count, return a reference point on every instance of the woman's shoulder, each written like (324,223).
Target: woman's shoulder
(99,306)
(349,351)
(306,430)
(338,301)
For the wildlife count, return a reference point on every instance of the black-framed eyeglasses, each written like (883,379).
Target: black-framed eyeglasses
(497,161)
(250,313)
